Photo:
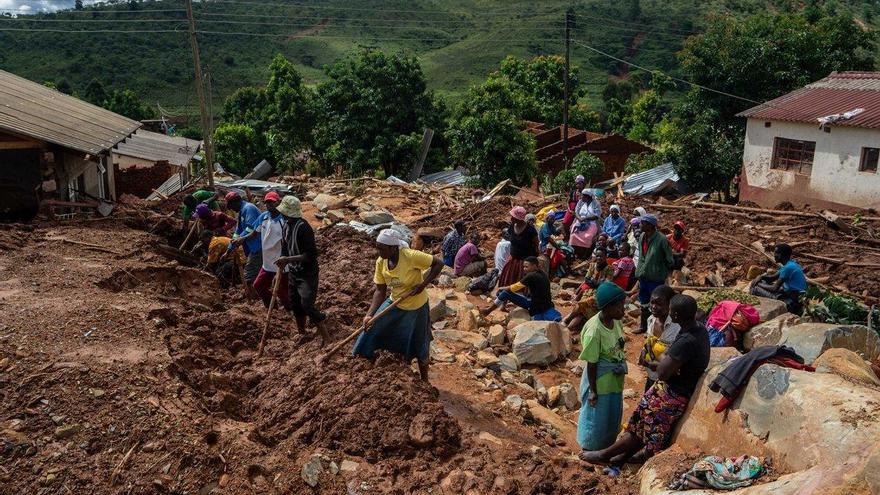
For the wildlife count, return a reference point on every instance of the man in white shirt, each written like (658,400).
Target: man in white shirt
(268,226)
(502,251)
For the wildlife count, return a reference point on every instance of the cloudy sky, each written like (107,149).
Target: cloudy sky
(26,6)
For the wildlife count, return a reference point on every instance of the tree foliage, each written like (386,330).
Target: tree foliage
(95,93)
(126,102)
(586,164)
(492,145)
(766,55)
(281,114)
(237,148)
(373,110)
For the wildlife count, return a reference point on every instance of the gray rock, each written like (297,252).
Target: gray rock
(514,402)
(768,332)
(481,372)
(437,308)
(311,471)
(497,335)
(519,314)
(770,308)
(348,466)
(336,215)
(324,202)
(376,217)
(474,339)
(568,397)
(541,342)
(509,362)
(487,359)
(810,340)
(67,431)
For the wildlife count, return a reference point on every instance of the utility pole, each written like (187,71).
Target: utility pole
(200,90)
(567,89)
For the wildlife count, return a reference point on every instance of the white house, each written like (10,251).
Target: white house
(818,145)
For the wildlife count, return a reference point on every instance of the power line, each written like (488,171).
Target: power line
(600,52)
(87,31)
(360,24)
(364,9)
(89,20)
(30,11)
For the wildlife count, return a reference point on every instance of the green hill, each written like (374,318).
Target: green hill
(457,41)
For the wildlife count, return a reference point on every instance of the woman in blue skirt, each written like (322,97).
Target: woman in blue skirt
(406,329)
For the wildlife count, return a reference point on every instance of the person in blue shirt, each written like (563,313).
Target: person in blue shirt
(787,284)
(248,214)
(454,240)
(615,225)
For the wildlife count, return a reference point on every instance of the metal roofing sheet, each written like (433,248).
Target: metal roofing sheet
(448,177)
(33,110)
(653,181)
(171,186)
(837,93)
(157,147)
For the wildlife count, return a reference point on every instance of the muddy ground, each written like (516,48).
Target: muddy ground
(125,372)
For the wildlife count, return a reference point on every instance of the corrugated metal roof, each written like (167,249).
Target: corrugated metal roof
(838,93)
(33,110)
(447,177)
(653,181)
(171,186)
(157,147)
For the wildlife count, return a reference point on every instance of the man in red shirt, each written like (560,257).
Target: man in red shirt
(679,244)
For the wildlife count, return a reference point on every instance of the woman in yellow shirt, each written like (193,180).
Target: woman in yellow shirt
(406,329)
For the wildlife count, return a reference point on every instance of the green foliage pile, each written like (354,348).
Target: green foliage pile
(710,298)
(829,307)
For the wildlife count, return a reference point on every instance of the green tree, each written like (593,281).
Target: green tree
(538,86)
(492,146)
(705,152)
(584,163)
(127,102)
(647,111)
(764,56)
(281,114)
(95,93)
(374,108)
(64,87)
(237,147)
(78,4)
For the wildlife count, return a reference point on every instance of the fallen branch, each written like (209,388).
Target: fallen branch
(121,465)
(823,259)
(802,214)
(91,246)
(759,253)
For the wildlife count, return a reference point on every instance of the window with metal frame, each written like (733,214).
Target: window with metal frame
(870,157)
(793,155)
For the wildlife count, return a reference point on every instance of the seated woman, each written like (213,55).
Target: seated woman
(602,379)
(539,303)
(683,364)
(586,227)
(728,320)
(406,329)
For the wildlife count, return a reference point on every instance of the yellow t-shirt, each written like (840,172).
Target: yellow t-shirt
(218,247)
(406,275)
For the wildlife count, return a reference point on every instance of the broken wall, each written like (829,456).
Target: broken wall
(835,180)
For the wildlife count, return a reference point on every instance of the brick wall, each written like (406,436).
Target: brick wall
(139,181)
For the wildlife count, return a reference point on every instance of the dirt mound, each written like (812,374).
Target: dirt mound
(347,260)
(176,282)
(489,218)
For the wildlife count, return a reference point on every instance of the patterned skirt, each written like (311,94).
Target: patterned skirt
(654,420)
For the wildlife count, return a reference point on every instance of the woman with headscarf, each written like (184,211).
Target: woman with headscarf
(586,226)
(573,197)
(219,223)
(406,329)
(602,379)
(523,243)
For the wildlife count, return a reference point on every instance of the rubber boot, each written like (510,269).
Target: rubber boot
(322,331)
(645,313)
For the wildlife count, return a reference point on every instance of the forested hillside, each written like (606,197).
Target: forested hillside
(143,46)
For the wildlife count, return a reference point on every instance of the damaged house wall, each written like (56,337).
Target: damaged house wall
(835,179)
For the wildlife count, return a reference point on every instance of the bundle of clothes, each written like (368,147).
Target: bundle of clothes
(721,473)
(733,379)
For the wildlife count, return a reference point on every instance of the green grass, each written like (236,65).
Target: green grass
(458,42)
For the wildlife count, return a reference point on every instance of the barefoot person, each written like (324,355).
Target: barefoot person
(299,259)
(652,423)
(602,379)
(406,329)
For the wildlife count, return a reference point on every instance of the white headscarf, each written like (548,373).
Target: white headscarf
(391,237)
(640,211)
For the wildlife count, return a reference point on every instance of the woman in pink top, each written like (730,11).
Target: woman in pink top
(468,262)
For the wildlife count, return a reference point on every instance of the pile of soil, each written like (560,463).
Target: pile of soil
(348,261)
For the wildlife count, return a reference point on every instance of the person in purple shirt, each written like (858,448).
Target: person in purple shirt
(468,262)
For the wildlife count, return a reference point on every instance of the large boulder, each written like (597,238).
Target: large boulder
(810,340)
(541,342)
(770,308)
(437,305)
(376,217)
(471,338)
(848,364)
(768,332)
(817,427)
(324,202)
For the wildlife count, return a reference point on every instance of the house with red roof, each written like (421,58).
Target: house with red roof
(817,146)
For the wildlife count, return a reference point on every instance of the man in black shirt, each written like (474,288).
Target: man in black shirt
(539,303)
(299,258)
(678,372)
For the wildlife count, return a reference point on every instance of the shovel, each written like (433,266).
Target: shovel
(363,329)
(275,284)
